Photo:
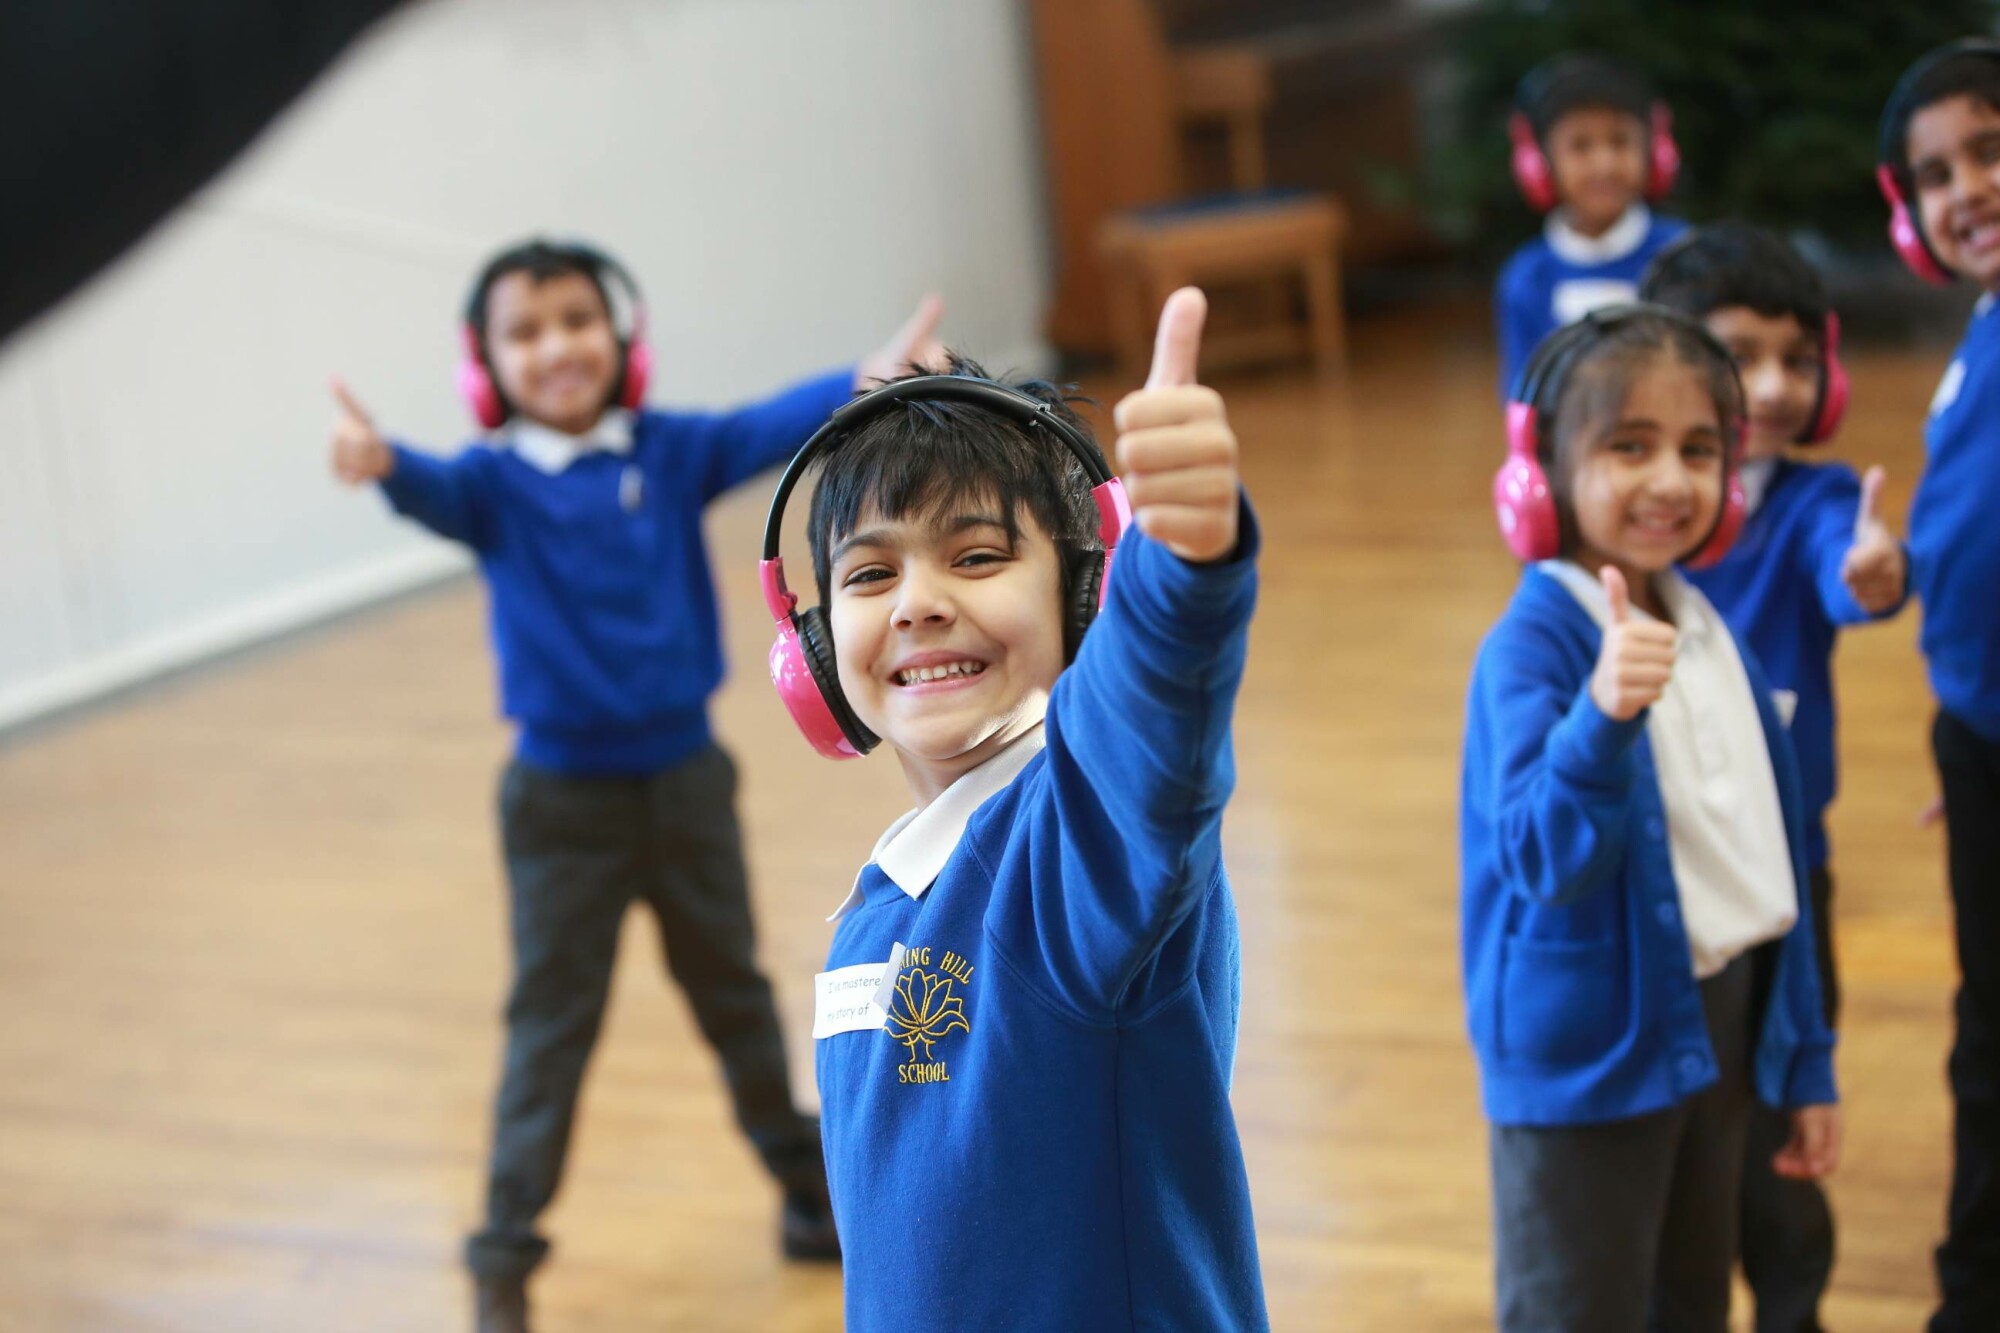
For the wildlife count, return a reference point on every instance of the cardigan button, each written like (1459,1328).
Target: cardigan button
(1693,1066)
(1655,827)
(1666,913)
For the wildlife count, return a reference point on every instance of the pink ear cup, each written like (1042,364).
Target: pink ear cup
(800,692)
(1834,388)
(1664,155)
(1530,164)
(475,385)
(1909,243)
(1522,500)
(638,370)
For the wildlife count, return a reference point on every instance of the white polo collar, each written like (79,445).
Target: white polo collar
(549,450)
(1624,236)
(913,850)
(1690,612)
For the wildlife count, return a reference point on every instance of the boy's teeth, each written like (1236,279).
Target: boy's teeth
(919,675)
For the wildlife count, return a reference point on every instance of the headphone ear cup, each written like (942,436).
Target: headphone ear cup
(475,383)
(1905,236)
(1522,500)
(638,370)
(1833,388)
(816,643)
(1663,155)
(1530,165)
(1084,581)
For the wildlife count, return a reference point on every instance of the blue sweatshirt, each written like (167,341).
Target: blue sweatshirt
(1562,275)
(1955,531)
(1780,589)
(1580,993)
(603,610)
(1041,1137)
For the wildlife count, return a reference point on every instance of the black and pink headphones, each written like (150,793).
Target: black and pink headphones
(475,377)
(1906,231)
(1532,172)
(803,666)
(1830,398)
(1522,498)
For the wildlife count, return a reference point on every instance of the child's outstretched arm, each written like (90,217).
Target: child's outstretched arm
(1138,726)
(738,445)
(434,492)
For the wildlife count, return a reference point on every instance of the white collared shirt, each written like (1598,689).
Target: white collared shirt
(914,849)
(1757,474)
(1620,239)
(1725,828)
(549,450)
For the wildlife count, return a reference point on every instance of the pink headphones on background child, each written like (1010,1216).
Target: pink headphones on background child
(1532,172)
(1522,498)
(475,378)
(803,666)
(1906,232)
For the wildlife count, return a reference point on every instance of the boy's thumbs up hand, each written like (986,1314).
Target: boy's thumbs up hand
(1637,659)
(913,348)
(1875,569)
(360,454)
(1175,450)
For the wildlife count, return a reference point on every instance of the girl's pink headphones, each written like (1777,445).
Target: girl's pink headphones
(1906,232)
(1532,172)
(1522,498)
(475,378)
(803,666)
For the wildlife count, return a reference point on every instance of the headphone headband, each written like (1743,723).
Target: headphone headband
(1888,152)
(1551,362)
(862,408)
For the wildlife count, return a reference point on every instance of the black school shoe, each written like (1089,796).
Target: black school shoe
(500,1305)
(805,1227)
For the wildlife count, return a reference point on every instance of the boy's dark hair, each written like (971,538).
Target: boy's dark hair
(541,259)
(1736,264)
(926,456)
(1968,69)
(1580,79)
(1599,378)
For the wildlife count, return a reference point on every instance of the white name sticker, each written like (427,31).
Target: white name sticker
(845,1000)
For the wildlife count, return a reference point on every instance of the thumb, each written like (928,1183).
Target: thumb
(349,403)
(1871,500)
(1615,589)
(1178,342)
(920,326)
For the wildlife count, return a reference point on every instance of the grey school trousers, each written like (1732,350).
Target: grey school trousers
(1630,1225)
(579,851)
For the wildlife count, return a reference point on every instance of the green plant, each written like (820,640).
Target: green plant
(1775,103)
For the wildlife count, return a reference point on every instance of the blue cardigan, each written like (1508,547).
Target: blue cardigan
(603,612)
(1581,997)
(1041,1136)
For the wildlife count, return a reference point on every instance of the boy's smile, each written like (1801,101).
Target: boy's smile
(1779,362)
(552,348)
(1647,487)
(1598,157)
(947,634)
(1954,152)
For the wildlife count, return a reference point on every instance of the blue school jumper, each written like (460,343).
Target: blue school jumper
(603,609)
(1781,592)
(1559,277)
(1040,1135)
(1955,530)
(1581,997)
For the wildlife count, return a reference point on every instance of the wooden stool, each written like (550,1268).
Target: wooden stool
(1149,252)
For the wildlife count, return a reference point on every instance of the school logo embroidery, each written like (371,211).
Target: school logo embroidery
(925,1009)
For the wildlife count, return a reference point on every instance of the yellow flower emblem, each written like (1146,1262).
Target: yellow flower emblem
(924,1010)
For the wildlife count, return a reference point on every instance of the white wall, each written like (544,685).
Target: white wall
(786,177)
